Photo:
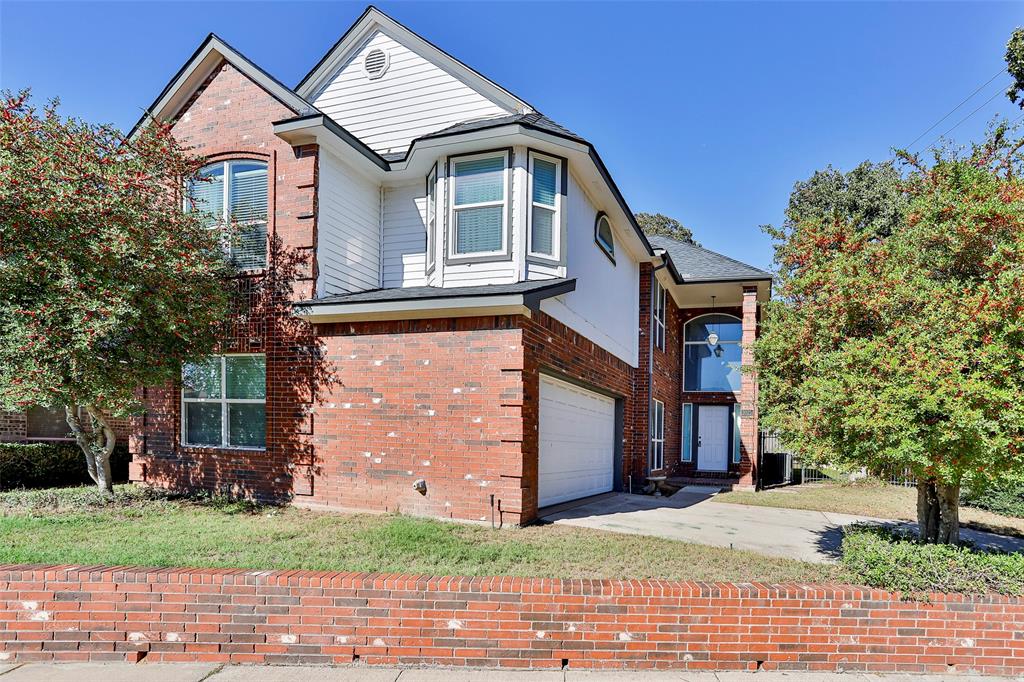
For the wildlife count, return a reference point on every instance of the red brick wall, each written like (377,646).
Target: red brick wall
(230,117)
(240,616)
(437,400)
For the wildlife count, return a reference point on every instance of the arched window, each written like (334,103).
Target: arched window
(236,192)
(712,366)
(603,235)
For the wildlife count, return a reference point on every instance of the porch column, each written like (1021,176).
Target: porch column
(748,393)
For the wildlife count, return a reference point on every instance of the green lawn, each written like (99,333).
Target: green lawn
(70,526)
(867,498)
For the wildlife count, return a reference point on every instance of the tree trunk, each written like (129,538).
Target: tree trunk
(97,443)
(938,512)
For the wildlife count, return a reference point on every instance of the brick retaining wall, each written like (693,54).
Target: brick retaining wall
(236,616)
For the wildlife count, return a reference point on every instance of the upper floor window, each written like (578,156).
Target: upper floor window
(224,402)
(431,217)
(603,235)
(660,306)
(236,192)
(545,196)
(479,205)
(713,355)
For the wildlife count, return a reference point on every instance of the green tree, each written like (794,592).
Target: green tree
(903,347)
(1015,66)
(660,224)
(106,284)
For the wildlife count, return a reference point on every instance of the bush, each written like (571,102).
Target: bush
(1006,497)
(47,465)
(893,560)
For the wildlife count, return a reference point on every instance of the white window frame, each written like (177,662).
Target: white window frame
(556,218)
(704,343)
(453,254)
(660,313)
(607,249)
(226,202)
(431,219)
(657,435)
(224,402)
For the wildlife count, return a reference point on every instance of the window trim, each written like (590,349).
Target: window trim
(659,305)
(698,343)
(607,249)
(431,203)
(657,435)
(225,164)
(505,253)
(224,402)
(558,236)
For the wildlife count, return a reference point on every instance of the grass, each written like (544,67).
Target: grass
(149,528)
(867,498)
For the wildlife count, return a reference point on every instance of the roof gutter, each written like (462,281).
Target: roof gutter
(292,128)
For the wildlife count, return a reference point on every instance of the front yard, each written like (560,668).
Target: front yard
(67,526)
(867,498)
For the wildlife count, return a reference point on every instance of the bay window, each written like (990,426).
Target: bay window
(712,366)
(479,205)
(224,402)
(545,199)
(235,192)
(431,217)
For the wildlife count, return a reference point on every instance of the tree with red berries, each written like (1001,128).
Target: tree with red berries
(106,283)
(896,341)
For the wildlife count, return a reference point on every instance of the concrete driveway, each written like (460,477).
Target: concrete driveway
(691,516)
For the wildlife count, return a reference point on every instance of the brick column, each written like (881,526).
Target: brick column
(748,393)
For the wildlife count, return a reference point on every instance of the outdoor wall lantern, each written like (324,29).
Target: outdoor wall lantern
(713,336)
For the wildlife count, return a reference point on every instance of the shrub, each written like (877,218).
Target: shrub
(46,465)
(893,560)
(1005,497)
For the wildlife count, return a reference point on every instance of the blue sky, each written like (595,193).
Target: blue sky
(708,112)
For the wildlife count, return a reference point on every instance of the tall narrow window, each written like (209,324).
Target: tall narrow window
(235,192)
(660,303)
(657,435)
(545,194)
(479,209)
(431,217)
(603,235)
(224,402)
(687,432)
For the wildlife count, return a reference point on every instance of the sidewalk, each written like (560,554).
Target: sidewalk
(191,672)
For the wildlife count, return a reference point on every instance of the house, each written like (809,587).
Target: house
(453,311)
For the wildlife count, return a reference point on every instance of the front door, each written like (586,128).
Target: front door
(713,438)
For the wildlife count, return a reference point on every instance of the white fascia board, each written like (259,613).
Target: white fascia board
(375,20)
(470,306)
(324,132)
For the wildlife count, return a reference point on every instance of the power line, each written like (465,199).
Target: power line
(953,110)
(980,107)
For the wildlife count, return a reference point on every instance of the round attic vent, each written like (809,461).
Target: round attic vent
(375,63)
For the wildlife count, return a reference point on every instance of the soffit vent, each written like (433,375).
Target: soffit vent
(375,63)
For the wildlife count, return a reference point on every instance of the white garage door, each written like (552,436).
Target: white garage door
(577,442)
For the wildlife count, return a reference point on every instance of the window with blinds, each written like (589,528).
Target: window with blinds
(224,402)
(479,211)
(545,191)
(235,193)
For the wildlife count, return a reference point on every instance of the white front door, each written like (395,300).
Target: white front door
(577,442)
(713,438)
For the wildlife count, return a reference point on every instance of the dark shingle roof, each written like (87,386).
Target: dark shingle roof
(534,120)
(695,263)
(535,289)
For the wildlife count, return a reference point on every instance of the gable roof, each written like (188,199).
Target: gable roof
(197,69)
(375,20)
(696,264)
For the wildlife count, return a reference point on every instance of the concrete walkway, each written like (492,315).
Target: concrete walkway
(691,516)
(187,672)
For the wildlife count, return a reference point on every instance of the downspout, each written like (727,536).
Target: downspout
(380,239)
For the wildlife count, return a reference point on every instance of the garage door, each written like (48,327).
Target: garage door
(577,442)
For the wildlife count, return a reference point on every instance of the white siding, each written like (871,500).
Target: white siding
(413,97)
(405,236)
(605,306)
(348,248)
